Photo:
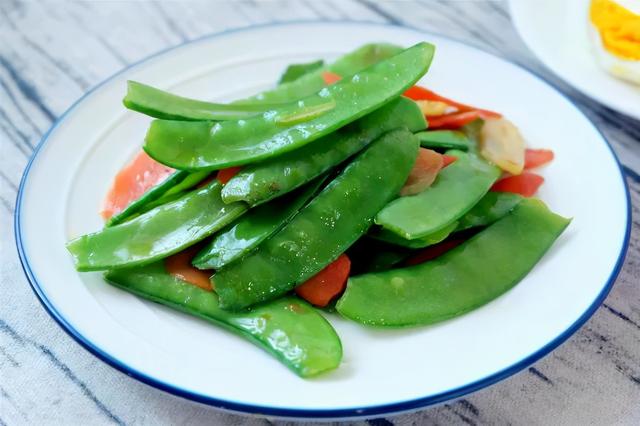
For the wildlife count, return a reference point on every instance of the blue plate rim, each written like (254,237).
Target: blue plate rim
(286,412)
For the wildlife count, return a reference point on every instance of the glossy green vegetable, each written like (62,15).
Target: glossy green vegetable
(443,139)
(263,181)
(455,191)
(177,182)
(325,228)
(288,328)
(156,234)
(295,71)
(465,278)
(251,229)
(160,104)
(305,113)
(189,182)
(493,206)
(431,239)
(312,82)
(215,145)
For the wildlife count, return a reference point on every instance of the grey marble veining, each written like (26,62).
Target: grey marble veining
(52,52)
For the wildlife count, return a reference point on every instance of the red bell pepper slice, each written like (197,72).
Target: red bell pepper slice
(537,157)
(320,289)
(225,175)
(418,93)
(525,184)
(453,121)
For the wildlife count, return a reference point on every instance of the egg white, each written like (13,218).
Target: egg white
(621,68)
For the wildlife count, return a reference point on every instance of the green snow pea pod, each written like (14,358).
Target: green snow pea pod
(295,71)
(288,328)
(455,191)
(493,206)
(156,234)
(465,278)
(263,181)
(160,104)
(312,81)
(251,229)
(444,139)
(175,183)
(202,145)
(323,229)
(429,240)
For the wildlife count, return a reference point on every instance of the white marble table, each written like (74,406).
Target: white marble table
(52,52)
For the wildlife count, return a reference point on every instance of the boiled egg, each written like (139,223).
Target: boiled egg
(615,32)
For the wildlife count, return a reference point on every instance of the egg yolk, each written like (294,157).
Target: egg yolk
(619,28)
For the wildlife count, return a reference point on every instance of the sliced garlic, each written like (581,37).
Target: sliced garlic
(502,144)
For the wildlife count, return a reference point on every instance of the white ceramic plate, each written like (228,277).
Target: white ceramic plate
(383,371)
(557,33)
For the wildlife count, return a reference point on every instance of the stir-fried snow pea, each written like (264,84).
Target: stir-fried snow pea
(288,328)
(295,71)
(174,184)
(263,181)
(429,240)
(312,82)
(194,145)
(493,206)
(251,229)
(474,273)
(455,191)
(325,228)
(444,139)
(156,234)
(160,104)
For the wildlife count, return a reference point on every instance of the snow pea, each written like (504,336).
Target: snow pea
(493,206)
(312,82)
(295,71)
(288,328)
(325,228)
(305,79)
(175,183)
(263,181)
(160,104)
(455,191)
(444,139)
(203,145)
(465,278)
(156,234)
(251,229)
(428,240)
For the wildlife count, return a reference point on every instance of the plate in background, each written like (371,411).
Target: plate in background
(557,33)
(383,371)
